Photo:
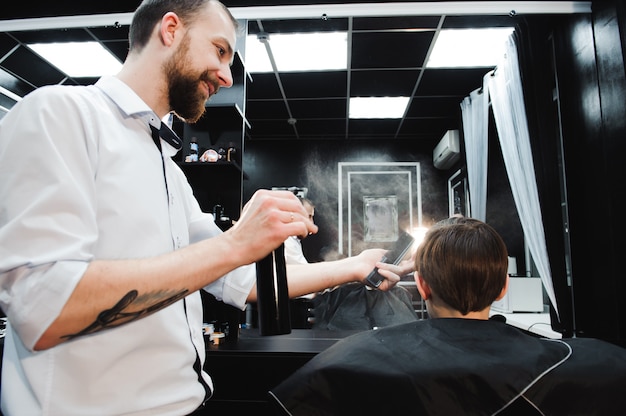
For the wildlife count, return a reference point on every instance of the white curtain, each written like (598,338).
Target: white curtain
(474,111)
(507,101)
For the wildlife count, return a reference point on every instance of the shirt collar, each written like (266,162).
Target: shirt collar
(132,105)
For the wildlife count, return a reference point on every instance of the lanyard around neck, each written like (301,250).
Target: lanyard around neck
(166,134)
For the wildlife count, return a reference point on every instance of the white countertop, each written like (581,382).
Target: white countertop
(537,323)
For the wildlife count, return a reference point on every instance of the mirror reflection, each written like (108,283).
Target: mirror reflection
(304,119)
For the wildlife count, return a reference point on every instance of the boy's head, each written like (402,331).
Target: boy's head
(462,265)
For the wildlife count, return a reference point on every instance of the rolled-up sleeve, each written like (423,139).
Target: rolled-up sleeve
(234,287)
(47,211)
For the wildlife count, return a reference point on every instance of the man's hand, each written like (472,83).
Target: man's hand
(267,220)
(368,260)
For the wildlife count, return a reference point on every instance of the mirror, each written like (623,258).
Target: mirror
(387,51)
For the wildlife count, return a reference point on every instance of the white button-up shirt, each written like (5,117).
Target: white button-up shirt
(293,251)
(81,179)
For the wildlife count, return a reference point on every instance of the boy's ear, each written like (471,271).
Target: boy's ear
(422,286)
(504,288)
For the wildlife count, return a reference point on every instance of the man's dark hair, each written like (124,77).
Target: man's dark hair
(150,12)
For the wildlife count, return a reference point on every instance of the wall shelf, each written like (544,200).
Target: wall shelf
(226,166)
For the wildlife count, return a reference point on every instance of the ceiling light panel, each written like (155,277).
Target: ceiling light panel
(468,48)
(378,107)
(79,59)
(298,52)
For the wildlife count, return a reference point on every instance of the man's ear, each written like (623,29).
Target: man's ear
(504,288)
(168,26)
(422,286)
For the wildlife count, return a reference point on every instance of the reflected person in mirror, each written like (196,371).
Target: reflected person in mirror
(293,244)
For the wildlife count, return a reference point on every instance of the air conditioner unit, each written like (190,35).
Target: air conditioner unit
(447,152)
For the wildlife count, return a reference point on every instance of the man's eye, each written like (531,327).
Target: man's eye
(221,51)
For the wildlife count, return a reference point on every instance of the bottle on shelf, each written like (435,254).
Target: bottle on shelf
(193,151)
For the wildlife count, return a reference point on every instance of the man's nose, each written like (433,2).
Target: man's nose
(226,77)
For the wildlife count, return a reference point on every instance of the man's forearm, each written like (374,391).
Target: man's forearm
(115,292)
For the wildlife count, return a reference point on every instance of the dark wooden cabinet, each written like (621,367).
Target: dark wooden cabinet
(244,371)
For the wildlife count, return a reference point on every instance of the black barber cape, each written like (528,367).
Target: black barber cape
(457,367)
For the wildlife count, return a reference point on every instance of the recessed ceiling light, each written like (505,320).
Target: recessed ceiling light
(378,107)
(294,52)
(463,48)
(79,59)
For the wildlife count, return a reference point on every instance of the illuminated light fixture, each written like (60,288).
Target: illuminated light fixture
(378,107)
(418,233)
(79,59)
(468,48)
(292,52)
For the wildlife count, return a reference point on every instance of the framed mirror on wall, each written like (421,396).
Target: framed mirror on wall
(376,201)
(380,218)
(458,194)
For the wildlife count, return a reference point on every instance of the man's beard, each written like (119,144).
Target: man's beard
(187,100)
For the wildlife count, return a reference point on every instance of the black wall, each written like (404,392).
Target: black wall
(313,164)
(575,83)
(592,86)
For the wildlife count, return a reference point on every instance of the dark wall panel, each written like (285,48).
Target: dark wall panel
(592,84)
(314,164)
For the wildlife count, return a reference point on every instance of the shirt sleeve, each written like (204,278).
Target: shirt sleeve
(293,251)
(234,287)
(47,219)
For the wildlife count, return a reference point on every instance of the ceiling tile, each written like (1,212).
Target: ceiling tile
(452,82)
(271,129)
(373,127)
(298,26)
(263,86)
(322,129)
(314,84)
(266,109)
(465,22)
(117,48)
(53,35)
(433,106)
(399,22)
(390,49)
(31,68)
(110,33)
(428,128)
(14,84)
(381,83)
(7,43)
(318,108)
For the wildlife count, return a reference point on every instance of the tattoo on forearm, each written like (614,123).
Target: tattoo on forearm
(130,308)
